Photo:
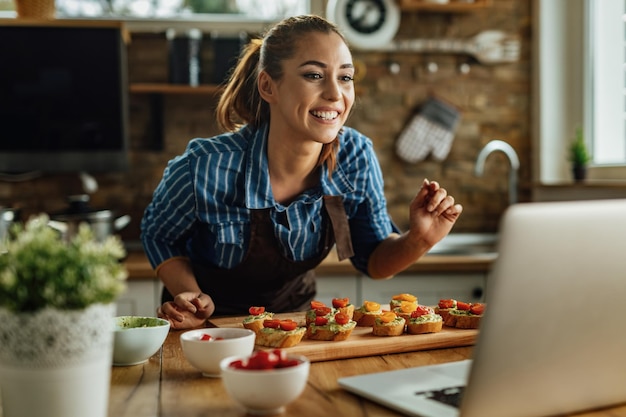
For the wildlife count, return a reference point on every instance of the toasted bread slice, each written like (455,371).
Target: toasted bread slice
(469,321)
(392,328)
(348,310)
(255,323)
(365,318)
(279,338)
(331,331)
(431,323)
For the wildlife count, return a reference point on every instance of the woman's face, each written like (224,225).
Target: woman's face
(313,98)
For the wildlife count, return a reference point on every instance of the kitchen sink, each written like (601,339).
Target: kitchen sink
(466,244)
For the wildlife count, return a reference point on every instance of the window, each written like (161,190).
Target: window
(579,53)
(605,115)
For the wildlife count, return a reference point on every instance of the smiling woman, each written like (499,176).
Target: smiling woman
(243,218)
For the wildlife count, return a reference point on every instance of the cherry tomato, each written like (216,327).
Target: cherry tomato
(341,318)
(322,311)
(263,359)
(388,317)
(255,311)
(405,297)
(478,308)
(206,337)
(237,364)
(288,325)
(282,355)
(321,321)
(371,306)
(271,323)
(317,304)
(421,310)
(407,306)
(462,306)
(447,303)
(340,302)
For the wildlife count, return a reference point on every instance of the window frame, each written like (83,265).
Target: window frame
(560,93)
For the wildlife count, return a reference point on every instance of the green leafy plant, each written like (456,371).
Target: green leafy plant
(578,153)
(40,269)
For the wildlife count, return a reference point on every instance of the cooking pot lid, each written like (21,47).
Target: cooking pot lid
(79,208)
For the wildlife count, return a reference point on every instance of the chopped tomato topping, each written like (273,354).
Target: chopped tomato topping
(208,338)
(478,308)
(321,321)
(388,317)
(447,303)
(340,302)
(462,306)
(371,306)
(322,311)
(341,318)
(288,325)
(317,304)
(263,359)
(271,323)
(255,311)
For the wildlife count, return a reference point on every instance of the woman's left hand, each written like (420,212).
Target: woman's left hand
(432,213)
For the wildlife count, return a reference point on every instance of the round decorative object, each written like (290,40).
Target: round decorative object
(366,24)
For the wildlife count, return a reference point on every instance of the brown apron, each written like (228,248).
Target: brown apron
(266,277)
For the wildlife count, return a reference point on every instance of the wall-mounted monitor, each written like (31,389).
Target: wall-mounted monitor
(63,96)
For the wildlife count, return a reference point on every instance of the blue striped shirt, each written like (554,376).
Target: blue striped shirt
(201,207)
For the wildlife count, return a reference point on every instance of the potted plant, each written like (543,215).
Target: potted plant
(579,156)
(56,320)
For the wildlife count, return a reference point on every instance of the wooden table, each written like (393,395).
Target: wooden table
(168,386)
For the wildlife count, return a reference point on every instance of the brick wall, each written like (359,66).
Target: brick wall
(494,102)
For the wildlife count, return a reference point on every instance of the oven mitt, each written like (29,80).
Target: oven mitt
(431,131)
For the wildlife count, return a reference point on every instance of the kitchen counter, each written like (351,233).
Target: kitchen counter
(139,268)
(168,386)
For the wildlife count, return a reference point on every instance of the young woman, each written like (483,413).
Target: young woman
(243,218)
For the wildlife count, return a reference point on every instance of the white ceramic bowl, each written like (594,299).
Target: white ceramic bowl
(206,355)
(137,338)
(265,391)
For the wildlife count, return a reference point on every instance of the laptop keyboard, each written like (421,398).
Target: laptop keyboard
(450,396)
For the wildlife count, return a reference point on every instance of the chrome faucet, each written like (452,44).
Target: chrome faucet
(498,145)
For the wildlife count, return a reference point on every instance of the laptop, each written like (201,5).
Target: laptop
(553,337)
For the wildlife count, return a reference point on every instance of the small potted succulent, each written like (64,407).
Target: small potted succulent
(56,313)
(579,156)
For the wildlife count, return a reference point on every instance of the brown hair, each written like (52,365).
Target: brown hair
(241,102)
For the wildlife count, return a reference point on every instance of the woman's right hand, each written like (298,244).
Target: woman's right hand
(188,310)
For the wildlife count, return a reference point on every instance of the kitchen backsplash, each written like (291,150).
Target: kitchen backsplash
(493,100)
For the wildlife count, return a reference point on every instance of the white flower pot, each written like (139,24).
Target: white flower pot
(56,363)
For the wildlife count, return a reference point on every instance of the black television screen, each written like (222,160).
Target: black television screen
(63,97)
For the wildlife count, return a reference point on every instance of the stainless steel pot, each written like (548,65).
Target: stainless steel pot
(102,221)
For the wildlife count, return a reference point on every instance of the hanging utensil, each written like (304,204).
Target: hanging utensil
(488,47)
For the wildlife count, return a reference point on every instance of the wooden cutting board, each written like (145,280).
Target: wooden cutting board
(363,343)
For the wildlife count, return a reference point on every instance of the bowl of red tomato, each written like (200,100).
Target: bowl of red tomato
(205,348)
(266,381)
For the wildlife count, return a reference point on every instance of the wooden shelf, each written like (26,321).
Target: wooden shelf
(162,88)
(453,6)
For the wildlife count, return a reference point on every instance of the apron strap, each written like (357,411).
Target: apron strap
(341,228)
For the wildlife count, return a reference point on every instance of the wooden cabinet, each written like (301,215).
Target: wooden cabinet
(141,298)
